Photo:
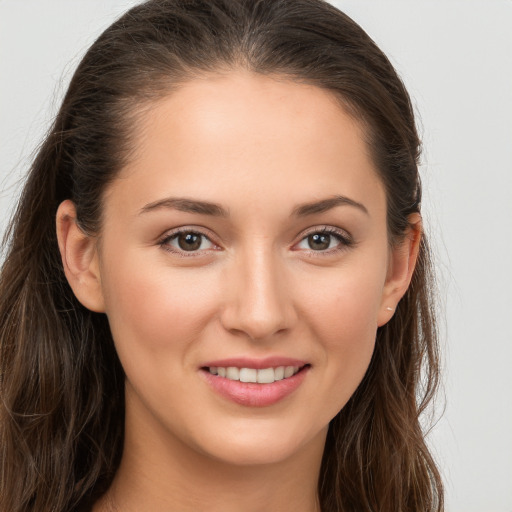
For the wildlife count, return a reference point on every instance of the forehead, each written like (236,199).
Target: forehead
(247,104)
(227,134)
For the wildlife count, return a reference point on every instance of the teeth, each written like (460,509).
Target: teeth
(233,373)
(279,373)
(288,371)
(248,375)
(263,376)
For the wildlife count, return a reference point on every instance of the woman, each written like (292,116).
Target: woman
(216,294)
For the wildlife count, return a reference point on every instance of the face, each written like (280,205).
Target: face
(248,232)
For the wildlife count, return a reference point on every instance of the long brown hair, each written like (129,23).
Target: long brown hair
(61,383)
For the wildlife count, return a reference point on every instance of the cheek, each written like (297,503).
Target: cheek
(348,332)
(154,307)
(345,309)
(344,320)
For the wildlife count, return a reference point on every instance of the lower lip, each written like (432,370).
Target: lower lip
(252,394)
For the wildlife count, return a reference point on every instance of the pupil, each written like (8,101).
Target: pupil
(189,241)
(319,241)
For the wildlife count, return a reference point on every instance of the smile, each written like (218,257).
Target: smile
(260,376)
(255,383)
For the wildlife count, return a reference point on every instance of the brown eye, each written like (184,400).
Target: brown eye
(188,241)
(327,240)
(319,241)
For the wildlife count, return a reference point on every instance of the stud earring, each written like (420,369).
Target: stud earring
(390,309)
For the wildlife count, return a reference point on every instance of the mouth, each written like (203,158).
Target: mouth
(255,375)
(255,383)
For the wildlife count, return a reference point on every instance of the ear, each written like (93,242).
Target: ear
(402,263)
(79,258)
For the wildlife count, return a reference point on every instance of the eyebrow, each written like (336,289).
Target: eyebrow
(187,205)
(324,205)
(207,208)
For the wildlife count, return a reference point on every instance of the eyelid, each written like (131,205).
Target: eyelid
(346,240)
(170,234)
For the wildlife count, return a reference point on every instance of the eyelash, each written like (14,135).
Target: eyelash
(344,239)
(165,241)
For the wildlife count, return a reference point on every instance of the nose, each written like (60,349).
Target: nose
(258,303)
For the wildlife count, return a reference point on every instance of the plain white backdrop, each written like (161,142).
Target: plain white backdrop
(456,60)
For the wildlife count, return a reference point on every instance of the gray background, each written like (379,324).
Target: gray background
(456,60)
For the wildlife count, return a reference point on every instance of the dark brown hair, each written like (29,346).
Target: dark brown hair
(61,383)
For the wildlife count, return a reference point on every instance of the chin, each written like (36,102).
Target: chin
(254,455)
(259,446)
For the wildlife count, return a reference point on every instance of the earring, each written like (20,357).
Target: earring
(390,309)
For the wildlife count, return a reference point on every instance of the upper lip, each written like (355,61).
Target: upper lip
(258,364)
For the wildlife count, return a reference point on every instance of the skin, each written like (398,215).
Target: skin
(259,147)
